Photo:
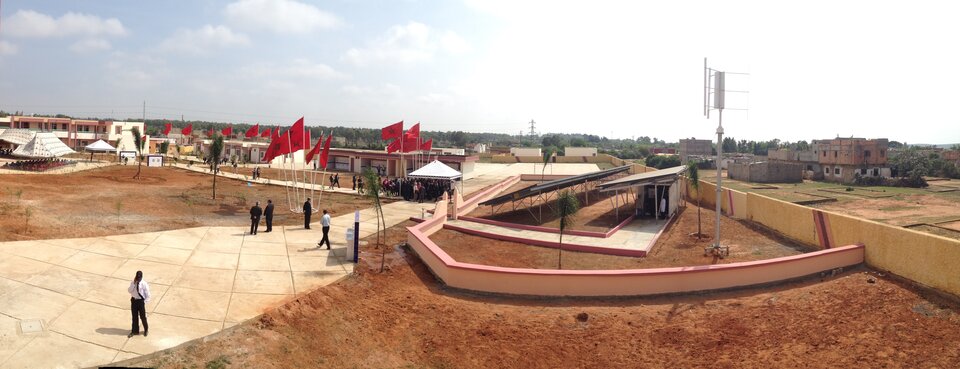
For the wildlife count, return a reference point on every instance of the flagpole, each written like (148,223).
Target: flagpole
(324,165)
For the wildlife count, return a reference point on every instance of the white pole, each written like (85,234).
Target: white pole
(719,198)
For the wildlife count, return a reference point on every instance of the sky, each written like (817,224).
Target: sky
(621,69)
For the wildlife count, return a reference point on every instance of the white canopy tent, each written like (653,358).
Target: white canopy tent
(44,145)
(100,146)
(436,170)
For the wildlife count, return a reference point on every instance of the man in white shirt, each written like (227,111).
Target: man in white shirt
(325,222)
(139,295)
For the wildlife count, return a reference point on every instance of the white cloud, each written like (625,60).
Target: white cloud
(29,23)
(411,43)
(90,45)
(297,68)
(280,16)
(436,99)
(7,48)
(387,90)
(203,40)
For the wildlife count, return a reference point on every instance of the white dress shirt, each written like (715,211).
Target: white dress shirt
(144,291)
(325,220)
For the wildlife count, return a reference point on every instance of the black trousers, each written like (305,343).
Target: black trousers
(254,224)
(306,219)
(137,308)
(269,224)
(325,239)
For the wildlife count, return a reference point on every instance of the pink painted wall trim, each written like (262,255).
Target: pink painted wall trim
(469,204)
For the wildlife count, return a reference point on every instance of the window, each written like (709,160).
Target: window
(824,154)
(866,154)
(834,154)
(810,167)
(117,130)
(876,172)
(826,170)
(882,152)
(836,171)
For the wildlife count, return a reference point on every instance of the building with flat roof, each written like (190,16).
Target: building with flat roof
(842,159)
(694,147)
(78,133)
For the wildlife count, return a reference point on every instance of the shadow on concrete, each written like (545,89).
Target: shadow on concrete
(113,331)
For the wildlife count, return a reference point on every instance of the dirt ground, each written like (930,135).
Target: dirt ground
(597,215)
(404,318)
(85,204)
(675,247)
(900,210)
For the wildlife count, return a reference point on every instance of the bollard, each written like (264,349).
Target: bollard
(356,236)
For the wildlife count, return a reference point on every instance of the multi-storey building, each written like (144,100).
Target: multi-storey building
(842,159)
(78,133)
(695,148)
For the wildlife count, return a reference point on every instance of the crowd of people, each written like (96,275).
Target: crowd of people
(38,165)
(6,152)
(417,189)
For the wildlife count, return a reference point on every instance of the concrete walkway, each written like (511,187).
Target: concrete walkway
(202,280)
(224,172)
(635,236)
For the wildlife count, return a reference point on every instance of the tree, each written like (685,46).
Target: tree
(547,154)
(216,150)
(372,186)
(138,143)
(694,175)
(567,207)
(729,144)
(164,146)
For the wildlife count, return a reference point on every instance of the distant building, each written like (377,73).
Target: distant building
(78,133)
(663,150)
(580,151)
(479,148)
(841,159)
(766,172)
(694,147)
(808,159)
(526,151)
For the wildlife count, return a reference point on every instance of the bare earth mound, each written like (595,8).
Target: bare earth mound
(404,318)
(85,204)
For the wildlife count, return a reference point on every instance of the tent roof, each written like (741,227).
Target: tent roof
(43,145)
(657,176)
(100,145)
(436,169)
(17,136)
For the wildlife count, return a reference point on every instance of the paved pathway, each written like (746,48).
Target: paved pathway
(635,236)
(202,279)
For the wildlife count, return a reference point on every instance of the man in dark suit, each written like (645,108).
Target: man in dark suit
(255,213)
(307,211)
(268,213)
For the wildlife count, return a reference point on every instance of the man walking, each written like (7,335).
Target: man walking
(268,213)
(307,211)
(336,180)
(255,213)
(325,222)
(139,296)
(354,182)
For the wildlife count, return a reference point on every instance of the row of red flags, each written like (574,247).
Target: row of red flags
(295,139)
(252,132)
(404,141)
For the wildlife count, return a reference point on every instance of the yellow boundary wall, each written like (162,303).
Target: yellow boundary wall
(927,259)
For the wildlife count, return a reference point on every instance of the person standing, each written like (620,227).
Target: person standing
(325,222)
(139,295)
(354,182)
(360,185)
(336,180)
(255,213)
(307,211)
(268,214)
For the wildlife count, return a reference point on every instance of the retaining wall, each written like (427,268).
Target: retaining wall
(522,281)
(924,258)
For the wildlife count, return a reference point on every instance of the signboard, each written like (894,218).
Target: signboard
(154,161)
(128,154)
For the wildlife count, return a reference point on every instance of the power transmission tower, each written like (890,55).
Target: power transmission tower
(533,128)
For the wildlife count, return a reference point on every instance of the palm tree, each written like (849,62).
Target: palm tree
(372,187)
(694,177)
(547,154)
(138,142)
(567,207)
(216,150)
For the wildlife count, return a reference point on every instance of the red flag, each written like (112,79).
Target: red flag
(426,146)
(394,146)
(166,129)
(278,146)
(276,134)
(227,131)
(296,136)
(283,148)
(314,151)
(326,151)
(186,131)
(210,132)
(253,131)
(413,132)
(392,131)
(410,143)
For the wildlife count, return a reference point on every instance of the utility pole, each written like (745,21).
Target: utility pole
(533,128)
